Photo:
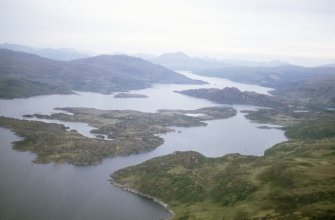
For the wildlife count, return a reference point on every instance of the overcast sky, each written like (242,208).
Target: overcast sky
(248,29)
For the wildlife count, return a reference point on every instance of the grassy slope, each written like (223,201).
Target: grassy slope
(102,74)
(294,179)
(232,95)
(312,86)
(14,88)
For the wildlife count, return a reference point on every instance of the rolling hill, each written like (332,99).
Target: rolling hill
(101,74)
(62,54)
(182,61)
(293,180)
(274,77)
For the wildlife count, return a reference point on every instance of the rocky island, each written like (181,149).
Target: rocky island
(129,95)
(233,96)
(130,132)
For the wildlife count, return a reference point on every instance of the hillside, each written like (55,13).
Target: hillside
(102,74)
(62,54)
(24,88)
(274,77)
(182,61)
(293,180)
(315,92)
(232,95)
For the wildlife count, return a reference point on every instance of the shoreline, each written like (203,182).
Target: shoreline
(129,189)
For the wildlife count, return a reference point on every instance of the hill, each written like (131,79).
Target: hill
(181,61)
(293,180)
(232,95)
(102,74)
(316,92)
(310,87)
(62,54)
(274,77)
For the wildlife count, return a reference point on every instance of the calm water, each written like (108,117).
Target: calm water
(53,191)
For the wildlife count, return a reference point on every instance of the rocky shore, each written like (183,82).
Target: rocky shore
(129,95)
(129,189)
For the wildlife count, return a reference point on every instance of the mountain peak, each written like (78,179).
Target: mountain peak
(175,55)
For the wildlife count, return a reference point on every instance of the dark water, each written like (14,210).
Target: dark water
(34,191)
(54,191)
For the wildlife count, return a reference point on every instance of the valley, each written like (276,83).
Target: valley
(160,137)
(167,110)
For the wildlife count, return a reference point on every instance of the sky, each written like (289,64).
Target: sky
(300,31)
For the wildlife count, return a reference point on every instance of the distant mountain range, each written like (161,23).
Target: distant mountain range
(63,54)
(328,65)
(175,61)
(274,77)
(24,75)
(181,61)
(313,86)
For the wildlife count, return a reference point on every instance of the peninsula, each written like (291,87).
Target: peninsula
(128,132)
(293,180)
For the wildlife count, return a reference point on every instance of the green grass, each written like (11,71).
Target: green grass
(22,88)
(54,143)
(293,180)
(313,129)
(132,132)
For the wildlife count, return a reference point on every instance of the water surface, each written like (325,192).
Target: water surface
(62,191)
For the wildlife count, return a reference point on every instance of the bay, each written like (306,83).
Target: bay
(63,191)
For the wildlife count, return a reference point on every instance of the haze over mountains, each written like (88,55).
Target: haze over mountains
(175,60)
(181,61)
(274,77)
(313,86)
(302,101)
(24,75)
(63,54)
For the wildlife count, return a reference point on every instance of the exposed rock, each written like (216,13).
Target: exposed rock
(129,95)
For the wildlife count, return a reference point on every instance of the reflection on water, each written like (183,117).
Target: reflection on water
(160,96)
(54,191)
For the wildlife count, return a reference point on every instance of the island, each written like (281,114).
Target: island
(233,96)
(312,86)
(293,180)
(128,132)
(129,95)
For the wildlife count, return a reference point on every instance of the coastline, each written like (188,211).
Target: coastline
(129,189)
